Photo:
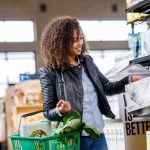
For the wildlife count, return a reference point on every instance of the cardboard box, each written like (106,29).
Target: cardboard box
(134,127)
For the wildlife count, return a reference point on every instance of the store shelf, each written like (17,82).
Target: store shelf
(145,61)
(144,112)
(28,108)
(143,7)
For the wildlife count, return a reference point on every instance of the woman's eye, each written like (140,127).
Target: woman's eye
(75,39)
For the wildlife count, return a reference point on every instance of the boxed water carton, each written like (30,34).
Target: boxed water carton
(36,128)
(138,97)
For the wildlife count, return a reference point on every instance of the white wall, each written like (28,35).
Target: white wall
(83,9)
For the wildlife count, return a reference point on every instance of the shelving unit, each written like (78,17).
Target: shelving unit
(15,110)
(141,7)
(129,131)
(145,61)
(135,127)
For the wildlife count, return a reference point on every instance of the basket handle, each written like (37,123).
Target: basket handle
(32,113)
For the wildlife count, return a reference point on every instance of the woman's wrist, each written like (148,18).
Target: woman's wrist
(58,112)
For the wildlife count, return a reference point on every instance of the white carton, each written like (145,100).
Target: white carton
(26,128)
(138,95)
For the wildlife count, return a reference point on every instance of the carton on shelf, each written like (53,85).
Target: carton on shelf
(137,95)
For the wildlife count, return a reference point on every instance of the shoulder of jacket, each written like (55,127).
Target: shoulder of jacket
(46,69)
(88,57)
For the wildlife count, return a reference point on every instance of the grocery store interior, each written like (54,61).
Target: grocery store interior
(118,35)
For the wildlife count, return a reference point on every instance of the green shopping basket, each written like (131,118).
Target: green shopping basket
(68,141)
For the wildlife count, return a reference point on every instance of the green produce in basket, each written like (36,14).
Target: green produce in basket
(72,122)
(71,115)
(92,130)
(71,125)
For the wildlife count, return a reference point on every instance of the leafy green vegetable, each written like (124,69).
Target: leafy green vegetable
(72,122)
(92,131)
(71,115)
(72,125)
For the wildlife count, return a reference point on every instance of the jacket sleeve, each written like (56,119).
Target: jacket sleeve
(49,94)
(111,88)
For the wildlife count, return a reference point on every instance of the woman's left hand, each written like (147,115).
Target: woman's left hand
(136,78)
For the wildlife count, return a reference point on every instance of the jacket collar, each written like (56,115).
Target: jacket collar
(92,71)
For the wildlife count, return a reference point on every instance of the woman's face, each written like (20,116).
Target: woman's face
(76,44)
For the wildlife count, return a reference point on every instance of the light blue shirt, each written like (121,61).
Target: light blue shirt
(91,112)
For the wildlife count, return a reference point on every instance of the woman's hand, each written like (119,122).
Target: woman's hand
(63,106)
(136,78)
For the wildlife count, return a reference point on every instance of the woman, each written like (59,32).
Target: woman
(64,48)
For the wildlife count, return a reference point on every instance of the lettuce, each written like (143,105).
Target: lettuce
(92,131)
(72,122)
(71,115)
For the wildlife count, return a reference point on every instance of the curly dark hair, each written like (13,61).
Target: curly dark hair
(55,41)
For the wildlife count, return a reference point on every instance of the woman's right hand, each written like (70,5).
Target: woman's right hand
(63,106)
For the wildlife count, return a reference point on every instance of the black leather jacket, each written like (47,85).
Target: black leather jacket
(74,89)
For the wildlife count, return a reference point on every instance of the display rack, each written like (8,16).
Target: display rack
(129,121)
(141,7)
